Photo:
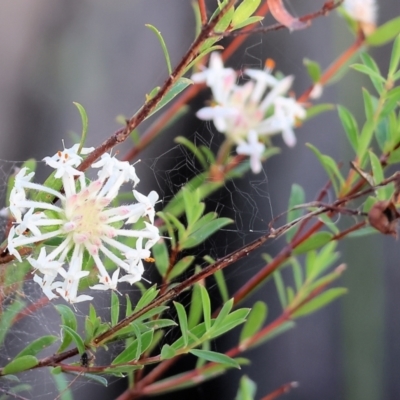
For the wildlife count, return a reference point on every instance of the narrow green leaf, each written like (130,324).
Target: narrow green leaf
(280,287)
(178,87)
(394,58)
(244,11)
(248,21)
(215,357)
(349,125)
(181,266)
(297,273)
(247,389)
(67,319)
(85,123)
(203,233)
(62,385)
(320,301)
(147,298)
(223,289)
(163,46)
(7,317)
(75,337)
(255,320)
(20,364)
(234,319)
(314,242)
(376,168)
(196,307)
(205,299)
(160,254)
(114,309)
(318,109)
(296,198)
(385,33)
(167,352)
(274,333)
(194,150)
(183,323)
(313,69)
(37,346)
(330,167)
(142,342)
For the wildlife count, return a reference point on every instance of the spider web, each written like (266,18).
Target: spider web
(233,199)
(246,201)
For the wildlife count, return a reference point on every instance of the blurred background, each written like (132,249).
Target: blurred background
(101,55)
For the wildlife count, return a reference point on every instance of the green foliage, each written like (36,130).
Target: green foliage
(296,198)
(68,320)
(313,69)
(163,46)
(247,389)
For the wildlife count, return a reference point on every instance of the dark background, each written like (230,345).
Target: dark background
(100,54)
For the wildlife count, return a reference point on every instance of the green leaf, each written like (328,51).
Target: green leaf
(114,309)
(330,167)
(248,21)
(297,273)
(231,321)
(67,319)
(318,262)
(282,328)
(75,337)
(7,317)
(160,254)
(215,357)
(203,233)
(369,107)
(255,320)
(385,33)
(223,289)
(163,46)
(280,287)
(85,123)
(135,349)
(349,125)
(181,266)
(225,21)
(313,69)
(147,298)
(20,364)
(320,301)
(314,242)
(180,85)
(61,384)
(296,198)
(194,150)
(194,209)
(37,346)
(371,69)
(196,306)
(244,11)
(205,299)
(395,58)
(247,389)
(377,170)
(167,352)
(183,323)
(313,111)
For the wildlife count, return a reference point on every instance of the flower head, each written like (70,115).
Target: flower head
(85,222)
(363,11)
(252,111)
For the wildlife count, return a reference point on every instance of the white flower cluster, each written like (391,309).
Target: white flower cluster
(84,223)
(362,10)
(248,113)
